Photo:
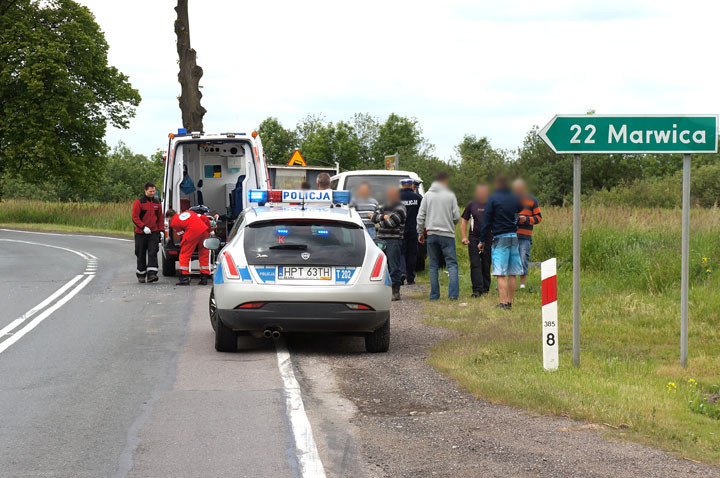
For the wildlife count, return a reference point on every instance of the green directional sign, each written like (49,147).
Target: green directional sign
(632,134)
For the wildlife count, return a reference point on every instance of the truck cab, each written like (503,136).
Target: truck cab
(210,172)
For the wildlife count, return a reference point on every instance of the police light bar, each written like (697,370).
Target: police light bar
(299,196)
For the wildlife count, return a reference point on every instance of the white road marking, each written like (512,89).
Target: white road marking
(65,293)
(14,324)
(66,235)
(36,321)
(308,458)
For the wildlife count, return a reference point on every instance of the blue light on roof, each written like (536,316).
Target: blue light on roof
(182,131)
(257,195)
(323,232)
(282,232)
(341,197)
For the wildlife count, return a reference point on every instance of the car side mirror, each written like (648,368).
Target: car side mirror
(212,243)
(382,245)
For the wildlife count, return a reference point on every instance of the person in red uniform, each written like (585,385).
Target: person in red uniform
(148,219)
(194,229)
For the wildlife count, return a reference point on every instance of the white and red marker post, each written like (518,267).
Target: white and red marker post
(548,274)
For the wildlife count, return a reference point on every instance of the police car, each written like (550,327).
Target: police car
(300,261)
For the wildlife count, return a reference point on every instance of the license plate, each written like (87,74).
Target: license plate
(304,273)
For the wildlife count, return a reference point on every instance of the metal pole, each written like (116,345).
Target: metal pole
(576,260)
(397,161)
(685,274)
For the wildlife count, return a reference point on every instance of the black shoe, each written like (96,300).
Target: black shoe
(152,278)
(141,279)
(508,306)
(403,278)
(184,280)
(475,295)
(203,280)
(501,306)
(411,282)
(395,292)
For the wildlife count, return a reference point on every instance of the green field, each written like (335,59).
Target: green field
(77,217)
(630,378)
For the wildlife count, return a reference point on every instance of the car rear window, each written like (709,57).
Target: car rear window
(304,242)
(378,184)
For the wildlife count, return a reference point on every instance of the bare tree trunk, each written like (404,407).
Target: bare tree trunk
(189,74)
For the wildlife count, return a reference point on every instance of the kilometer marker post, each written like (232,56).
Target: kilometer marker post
(548,274)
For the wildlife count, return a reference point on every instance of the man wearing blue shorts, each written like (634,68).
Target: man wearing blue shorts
(500,219)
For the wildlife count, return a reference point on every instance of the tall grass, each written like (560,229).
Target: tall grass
(630,377)
(81,216)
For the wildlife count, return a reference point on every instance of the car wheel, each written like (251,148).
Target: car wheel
(168,266)
(212,309)
(378,341)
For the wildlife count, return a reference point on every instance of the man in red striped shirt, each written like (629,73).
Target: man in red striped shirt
(529,216)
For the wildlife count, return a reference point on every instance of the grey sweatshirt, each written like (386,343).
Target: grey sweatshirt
(439,212)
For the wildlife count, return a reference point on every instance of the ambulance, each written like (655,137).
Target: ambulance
(210,173)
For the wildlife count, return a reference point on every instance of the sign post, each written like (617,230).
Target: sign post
(548,274)
(632,134)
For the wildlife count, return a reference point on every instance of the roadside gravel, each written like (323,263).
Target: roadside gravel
(393,415)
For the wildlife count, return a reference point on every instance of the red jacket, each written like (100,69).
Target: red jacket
(147,212)
(191,225)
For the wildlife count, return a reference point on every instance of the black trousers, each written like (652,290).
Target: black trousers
(479,266)
(409,255)
(146,251)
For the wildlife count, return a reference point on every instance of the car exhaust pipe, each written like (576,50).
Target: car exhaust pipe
(275,334)
(268,333)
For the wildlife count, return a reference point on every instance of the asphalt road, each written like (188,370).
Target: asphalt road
(103,377)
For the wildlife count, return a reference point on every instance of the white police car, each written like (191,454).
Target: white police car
(300,261)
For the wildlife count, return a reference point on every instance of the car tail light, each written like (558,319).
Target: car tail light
(358,307)
(231,269)
(378,268)
(250,305)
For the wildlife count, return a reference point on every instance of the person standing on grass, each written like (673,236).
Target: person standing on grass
(390,220)
(438,215)
(479,260)
(529,216)
(365,206)
(148,219)
(411,201)
(500,220)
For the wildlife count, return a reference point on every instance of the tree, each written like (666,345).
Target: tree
(478,161)
(57,92)
(189,74)
(278,142)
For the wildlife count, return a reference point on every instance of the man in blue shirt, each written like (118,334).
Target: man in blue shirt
(500,219)
(411,200)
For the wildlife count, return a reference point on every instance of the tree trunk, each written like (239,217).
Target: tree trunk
(189,74)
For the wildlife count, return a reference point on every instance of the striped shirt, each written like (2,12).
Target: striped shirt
(394,226)
(531,210)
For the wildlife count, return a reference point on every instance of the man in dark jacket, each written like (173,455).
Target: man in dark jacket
(500,219)
(479,261)
(411,200)
(148,219)
(390,220)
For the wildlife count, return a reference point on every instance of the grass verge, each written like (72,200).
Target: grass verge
(630,378)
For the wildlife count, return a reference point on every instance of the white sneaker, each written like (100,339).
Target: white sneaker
(522,286)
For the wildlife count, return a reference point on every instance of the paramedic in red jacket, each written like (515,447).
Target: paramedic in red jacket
(148,220)
(194,229)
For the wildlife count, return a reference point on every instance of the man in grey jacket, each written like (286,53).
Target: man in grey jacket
(438,215)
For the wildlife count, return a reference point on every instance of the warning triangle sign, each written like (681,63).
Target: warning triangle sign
(297,159)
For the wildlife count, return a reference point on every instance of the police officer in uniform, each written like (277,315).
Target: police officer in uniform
(411,200)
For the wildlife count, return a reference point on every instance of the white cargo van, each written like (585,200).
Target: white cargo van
(211,170)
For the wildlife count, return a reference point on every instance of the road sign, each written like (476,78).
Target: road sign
(296,159)
(548,275)
(632,134)
(392,162)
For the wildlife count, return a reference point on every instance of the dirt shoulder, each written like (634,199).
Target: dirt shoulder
(398,417)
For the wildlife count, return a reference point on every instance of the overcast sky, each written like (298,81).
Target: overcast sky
(487,68)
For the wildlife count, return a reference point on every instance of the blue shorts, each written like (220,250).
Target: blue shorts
(524,248)
(506,256)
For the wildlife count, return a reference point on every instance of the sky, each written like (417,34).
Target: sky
(486,68)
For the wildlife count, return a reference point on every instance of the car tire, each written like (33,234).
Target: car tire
(225,338)
(168,266)
(378,341)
